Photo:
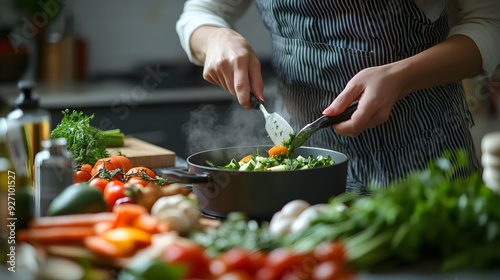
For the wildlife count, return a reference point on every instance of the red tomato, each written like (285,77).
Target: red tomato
(284,258)
(87,167)
(237,259)
(105,163)
(125,200)
(114,190)
(329,251)
(327,270)
(268,273)
(282,261)
(138,181)
(99,183)
(121,162)
(191,255)
(82,176)
(235,275)
(258,259)
(141,172)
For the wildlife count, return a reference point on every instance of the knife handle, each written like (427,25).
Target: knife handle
(255,102)
(326,121)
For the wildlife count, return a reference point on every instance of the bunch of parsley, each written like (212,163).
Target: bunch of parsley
(86,143)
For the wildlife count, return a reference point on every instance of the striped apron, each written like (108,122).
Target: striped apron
(319,45)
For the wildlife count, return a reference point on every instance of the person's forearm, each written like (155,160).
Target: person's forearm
(454,59)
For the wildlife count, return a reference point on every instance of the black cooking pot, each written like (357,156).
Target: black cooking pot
(259,194)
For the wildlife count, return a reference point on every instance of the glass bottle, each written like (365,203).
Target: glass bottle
(34,120)
(15,189)
(53,173)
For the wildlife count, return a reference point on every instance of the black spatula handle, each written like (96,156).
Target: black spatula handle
(255,102)
(326,121)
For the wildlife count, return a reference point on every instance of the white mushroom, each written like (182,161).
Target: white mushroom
(174,219)
(295,207)
(307,216)
(166,202)
(281,226)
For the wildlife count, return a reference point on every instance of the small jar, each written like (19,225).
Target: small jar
(53,173)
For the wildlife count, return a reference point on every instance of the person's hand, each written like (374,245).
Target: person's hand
(377,89)
(231,63)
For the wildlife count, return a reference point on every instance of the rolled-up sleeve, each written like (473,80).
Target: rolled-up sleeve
(480,21)
(196,13)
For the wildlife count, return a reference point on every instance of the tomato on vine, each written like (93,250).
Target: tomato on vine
(113,191)
(99,183)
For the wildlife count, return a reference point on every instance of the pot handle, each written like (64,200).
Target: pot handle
(184,176)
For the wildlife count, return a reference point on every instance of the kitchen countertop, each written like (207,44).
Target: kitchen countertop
(115,92)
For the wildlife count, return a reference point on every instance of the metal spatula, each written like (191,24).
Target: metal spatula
(278,128)
(319,123)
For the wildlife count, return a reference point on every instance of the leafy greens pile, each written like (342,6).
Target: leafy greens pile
(431,215)
(87,143)
(235,231)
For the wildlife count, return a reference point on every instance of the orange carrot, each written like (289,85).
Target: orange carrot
(73,220)
(246,158)
(54,235)
(147,223)
(127,213)
(101,227)
(278,151)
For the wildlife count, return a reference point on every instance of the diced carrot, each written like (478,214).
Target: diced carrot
(101,246)
(127,213)
(147,223)
(73,220)
(246,158)
(54,235)
(278,151)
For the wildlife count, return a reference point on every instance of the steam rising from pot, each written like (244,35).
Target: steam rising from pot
(206,129)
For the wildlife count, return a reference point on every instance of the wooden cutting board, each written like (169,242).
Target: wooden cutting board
(142,153)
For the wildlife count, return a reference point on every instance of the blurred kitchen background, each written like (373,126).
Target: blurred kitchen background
(121,61)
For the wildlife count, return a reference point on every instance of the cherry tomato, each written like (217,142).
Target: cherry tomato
(140,171)
(138,181)
(87,167)
(327,270)
(122,162)
(105,163)
(282,261)
(237,259)
(125,200)
(114,190)
(191,255)
(99,183)
(329,251)
(235,275)
(284,258)
(82,176)
(258,260)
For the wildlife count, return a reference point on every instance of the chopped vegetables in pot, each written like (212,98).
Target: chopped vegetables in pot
(278,163)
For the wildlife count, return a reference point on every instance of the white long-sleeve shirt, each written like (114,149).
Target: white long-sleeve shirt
(478,20)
